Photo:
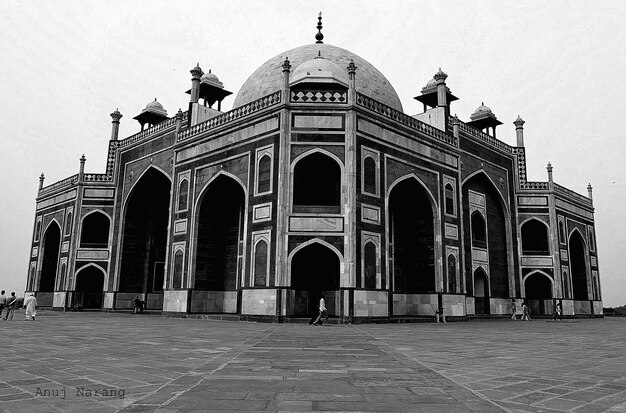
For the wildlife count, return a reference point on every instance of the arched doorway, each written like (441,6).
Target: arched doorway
(315,271)
(485,197)
(579,268)
(50,262)
(89,287)
(412,238)
(481,292)
(538,289)
(535,238)
(219,245)
(145,234)
(95,231)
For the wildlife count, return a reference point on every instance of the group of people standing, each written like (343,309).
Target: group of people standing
(12,302)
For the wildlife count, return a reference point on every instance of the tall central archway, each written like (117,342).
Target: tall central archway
(220,220)
(51,243)
(145,234)
(579,269)
(315,272)
(484,192)
(412,238)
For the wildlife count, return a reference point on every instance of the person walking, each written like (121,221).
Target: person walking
(323,313)
(12,303)
(30,304)
(3,302)
(557,311)
(525,312)
(513,310)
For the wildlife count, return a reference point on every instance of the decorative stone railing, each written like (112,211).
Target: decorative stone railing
(319,96)
(571,195)
(67,182)
(98,178)
(534,186)
(405,119)
(159,127)
(480,135)
(247,109)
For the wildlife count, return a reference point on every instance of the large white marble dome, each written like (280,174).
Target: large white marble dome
(268,77)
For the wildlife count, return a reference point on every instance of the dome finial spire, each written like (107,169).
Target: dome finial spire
(319,36)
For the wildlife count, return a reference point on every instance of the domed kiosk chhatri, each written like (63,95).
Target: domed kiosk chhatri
(315,184)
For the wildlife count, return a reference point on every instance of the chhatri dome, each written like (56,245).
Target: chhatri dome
(268,77)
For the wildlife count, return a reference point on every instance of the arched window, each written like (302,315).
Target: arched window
(535,238)
(95,231)
(183,194)
(177,281)
(592,245)
(68,224)
(260,264)
(369,175)
(449,199)
(370,265)
(565,285)
(451,274)
(264,181)
(479,234)
(317,185)
(562,236)
(31,280)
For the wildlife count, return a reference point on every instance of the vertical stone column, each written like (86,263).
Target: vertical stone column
(590,192)
(41,179)
(554,237)
(179,120)
(115,124)
(519,131)
(196,73)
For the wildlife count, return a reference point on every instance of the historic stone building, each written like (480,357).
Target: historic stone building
(316,182)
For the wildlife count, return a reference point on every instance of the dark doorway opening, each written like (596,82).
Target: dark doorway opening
(412,238)
(317,185)
(314,274)
(579,269)
(481,292)
(220,236)
(51,243)
(538,288)
(145,234)
(89,288)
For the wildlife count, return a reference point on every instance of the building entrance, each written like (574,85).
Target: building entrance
(89,288)
(314,274)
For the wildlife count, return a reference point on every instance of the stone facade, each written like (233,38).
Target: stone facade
(315,184)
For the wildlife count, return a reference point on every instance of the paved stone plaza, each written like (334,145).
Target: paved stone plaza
(101,362)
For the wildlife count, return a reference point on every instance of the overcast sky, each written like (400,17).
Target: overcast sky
(66,65)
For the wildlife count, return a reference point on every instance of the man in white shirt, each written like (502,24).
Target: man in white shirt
(323,313)
(30,303)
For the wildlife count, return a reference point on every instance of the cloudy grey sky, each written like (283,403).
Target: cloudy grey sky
(66,65)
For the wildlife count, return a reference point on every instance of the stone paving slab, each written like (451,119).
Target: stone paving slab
(105,362)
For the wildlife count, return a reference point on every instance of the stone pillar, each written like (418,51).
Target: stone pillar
(115,124)
(179,120)
(196,73)
(455,126)
(286,70)
(81,173)
(590,192)
(519,131)
(352,83)
(550,180)
(440,81)
(41,179)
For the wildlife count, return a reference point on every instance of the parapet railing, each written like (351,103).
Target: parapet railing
(58,185)
(534,186)
(247,109)
(166,124)
(568,193)
(480,135)
(403,118)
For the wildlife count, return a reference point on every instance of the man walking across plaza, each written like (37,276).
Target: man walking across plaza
(12,303)
(30,304)
(525,313)
(514,310)
(557,312)
(323,313)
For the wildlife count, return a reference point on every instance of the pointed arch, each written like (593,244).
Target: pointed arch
(538,285)
(50,257)
(482,172)
(317,179)
(138,179)
(412,238)
(95,229)
(579,260)
(89,286)
(535,237)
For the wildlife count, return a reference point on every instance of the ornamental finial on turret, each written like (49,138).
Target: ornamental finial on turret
(286,65)
(440,75)
(319,36)
(351,67)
